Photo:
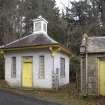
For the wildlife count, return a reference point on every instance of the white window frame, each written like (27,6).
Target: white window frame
(44,27)
(62,67)
(13,67)
(41,67)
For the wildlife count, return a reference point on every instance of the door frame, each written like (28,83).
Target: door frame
(22,57)
(98,75)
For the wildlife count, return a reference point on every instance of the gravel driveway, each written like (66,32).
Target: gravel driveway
(8,98)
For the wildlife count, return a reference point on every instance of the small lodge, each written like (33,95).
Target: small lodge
(36,60)
(92,51)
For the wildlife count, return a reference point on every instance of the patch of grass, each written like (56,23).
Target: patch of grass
(67,96)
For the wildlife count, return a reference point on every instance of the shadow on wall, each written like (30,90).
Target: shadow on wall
(2,66)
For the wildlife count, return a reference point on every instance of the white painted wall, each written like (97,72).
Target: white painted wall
(37,83)
(40,83)
(8,62)
(65,80)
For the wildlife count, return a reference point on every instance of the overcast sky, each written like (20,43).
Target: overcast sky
(62,3)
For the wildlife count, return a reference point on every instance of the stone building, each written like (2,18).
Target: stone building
(92,51)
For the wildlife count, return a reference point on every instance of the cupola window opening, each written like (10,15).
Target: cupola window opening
(37,26)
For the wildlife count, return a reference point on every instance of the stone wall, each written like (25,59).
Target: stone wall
(92,74)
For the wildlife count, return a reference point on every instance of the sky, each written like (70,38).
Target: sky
(62,3)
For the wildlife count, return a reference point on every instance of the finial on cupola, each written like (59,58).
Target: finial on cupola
(40,25)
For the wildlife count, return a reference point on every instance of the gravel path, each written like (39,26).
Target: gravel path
(8,98)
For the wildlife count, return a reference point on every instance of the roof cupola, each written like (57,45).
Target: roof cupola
(40,25)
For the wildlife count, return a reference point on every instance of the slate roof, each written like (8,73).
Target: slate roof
(31,40)
(96,44)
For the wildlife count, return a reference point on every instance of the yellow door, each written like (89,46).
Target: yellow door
(27,72)
(102,77)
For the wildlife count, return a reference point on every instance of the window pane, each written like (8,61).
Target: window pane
(13,69)
(62,65)
(41,67)
(38,26)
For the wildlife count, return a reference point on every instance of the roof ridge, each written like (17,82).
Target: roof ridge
(18,39)
(33,36)
(51,38)
(29,36)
